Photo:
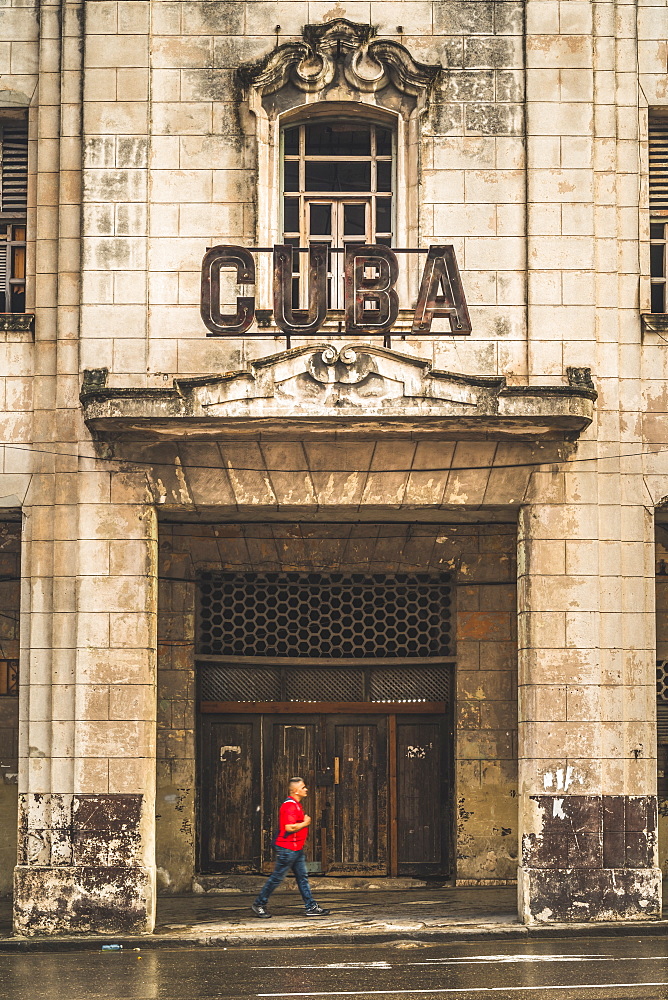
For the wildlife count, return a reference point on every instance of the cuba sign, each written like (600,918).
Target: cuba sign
(371,302)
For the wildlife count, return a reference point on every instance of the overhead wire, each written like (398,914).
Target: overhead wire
(232,467)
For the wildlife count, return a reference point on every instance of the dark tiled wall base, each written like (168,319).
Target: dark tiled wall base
(62,899)
(584,894)
(593,832)
(594,858)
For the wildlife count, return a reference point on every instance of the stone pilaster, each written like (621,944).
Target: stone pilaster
(587,740)
(86,859)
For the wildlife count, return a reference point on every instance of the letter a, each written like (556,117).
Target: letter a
(441,293)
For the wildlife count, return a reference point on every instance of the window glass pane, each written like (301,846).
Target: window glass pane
(17,294)
(338,176)
(383,215)
(656,231)
(321,220)
(354,220)
(295,293)
(291,141)
(293,241)
(338,139)
(383,141)
(384,176)
(384,241)
(656,256)
(291,215)
(291,176)
(658,298)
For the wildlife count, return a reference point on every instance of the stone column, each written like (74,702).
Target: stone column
(86,858)
(587,738)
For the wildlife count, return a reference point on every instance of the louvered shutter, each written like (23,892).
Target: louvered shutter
(4,275)
(14,167)
(658,166)
(662,722)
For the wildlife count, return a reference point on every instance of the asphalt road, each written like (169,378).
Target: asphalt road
(596,968)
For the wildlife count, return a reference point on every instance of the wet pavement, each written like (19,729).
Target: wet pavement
(424,914)
(362,913)
(221,916)
(600,968)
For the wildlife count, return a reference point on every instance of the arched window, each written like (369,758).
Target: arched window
(338,188)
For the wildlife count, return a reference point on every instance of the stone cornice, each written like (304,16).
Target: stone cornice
(355,390)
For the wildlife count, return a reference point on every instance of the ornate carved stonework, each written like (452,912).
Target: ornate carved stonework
(351,389)
(368,64)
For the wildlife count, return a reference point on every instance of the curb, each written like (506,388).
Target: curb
(343,936)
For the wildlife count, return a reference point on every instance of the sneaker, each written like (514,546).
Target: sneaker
(317,911)
(260,911)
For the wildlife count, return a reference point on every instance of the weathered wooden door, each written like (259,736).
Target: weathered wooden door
(357,834)
(422,821)
(230,793)
(379,790)
(292,748)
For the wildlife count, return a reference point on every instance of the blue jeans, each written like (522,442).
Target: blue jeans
(285,860)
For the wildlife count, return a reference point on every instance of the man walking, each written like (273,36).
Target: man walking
(293,826)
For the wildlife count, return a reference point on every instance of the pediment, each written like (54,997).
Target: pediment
(339,47)
(352,389)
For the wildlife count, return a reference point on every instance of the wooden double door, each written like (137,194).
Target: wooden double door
(378,790)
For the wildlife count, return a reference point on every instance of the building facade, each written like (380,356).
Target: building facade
(282,489)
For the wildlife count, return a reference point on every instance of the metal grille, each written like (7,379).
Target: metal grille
(304,684)
(418,684)
(232,684)
(14,151)
(221,682)
(662,680)
(312,615)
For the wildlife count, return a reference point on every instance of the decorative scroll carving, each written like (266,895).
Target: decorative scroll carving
(368,64)
(347,366)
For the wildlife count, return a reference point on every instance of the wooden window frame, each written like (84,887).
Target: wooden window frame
(9,678)
(10,279)
(13,216)
(302,237)
(658,276)
(658,210)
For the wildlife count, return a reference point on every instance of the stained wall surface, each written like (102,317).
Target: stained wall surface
(10,577)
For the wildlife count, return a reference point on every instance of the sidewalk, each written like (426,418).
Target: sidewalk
(425,914)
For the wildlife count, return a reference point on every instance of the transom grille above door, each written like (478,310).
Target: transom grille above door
(324,616)
(221,682)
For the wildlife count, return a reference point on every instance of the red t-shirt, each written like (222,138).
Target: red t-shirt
(291,812)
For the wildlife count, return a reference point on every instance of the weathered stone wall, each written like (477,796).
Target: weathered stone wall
(482,559)
(10,588)
(172,165)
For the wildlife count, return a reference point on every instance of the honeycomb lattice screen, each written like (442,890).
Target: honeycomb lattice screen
(662,701)
(316,615)
(662,680)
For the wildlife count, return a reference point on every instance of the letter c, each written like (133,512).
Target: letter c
(217,323)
